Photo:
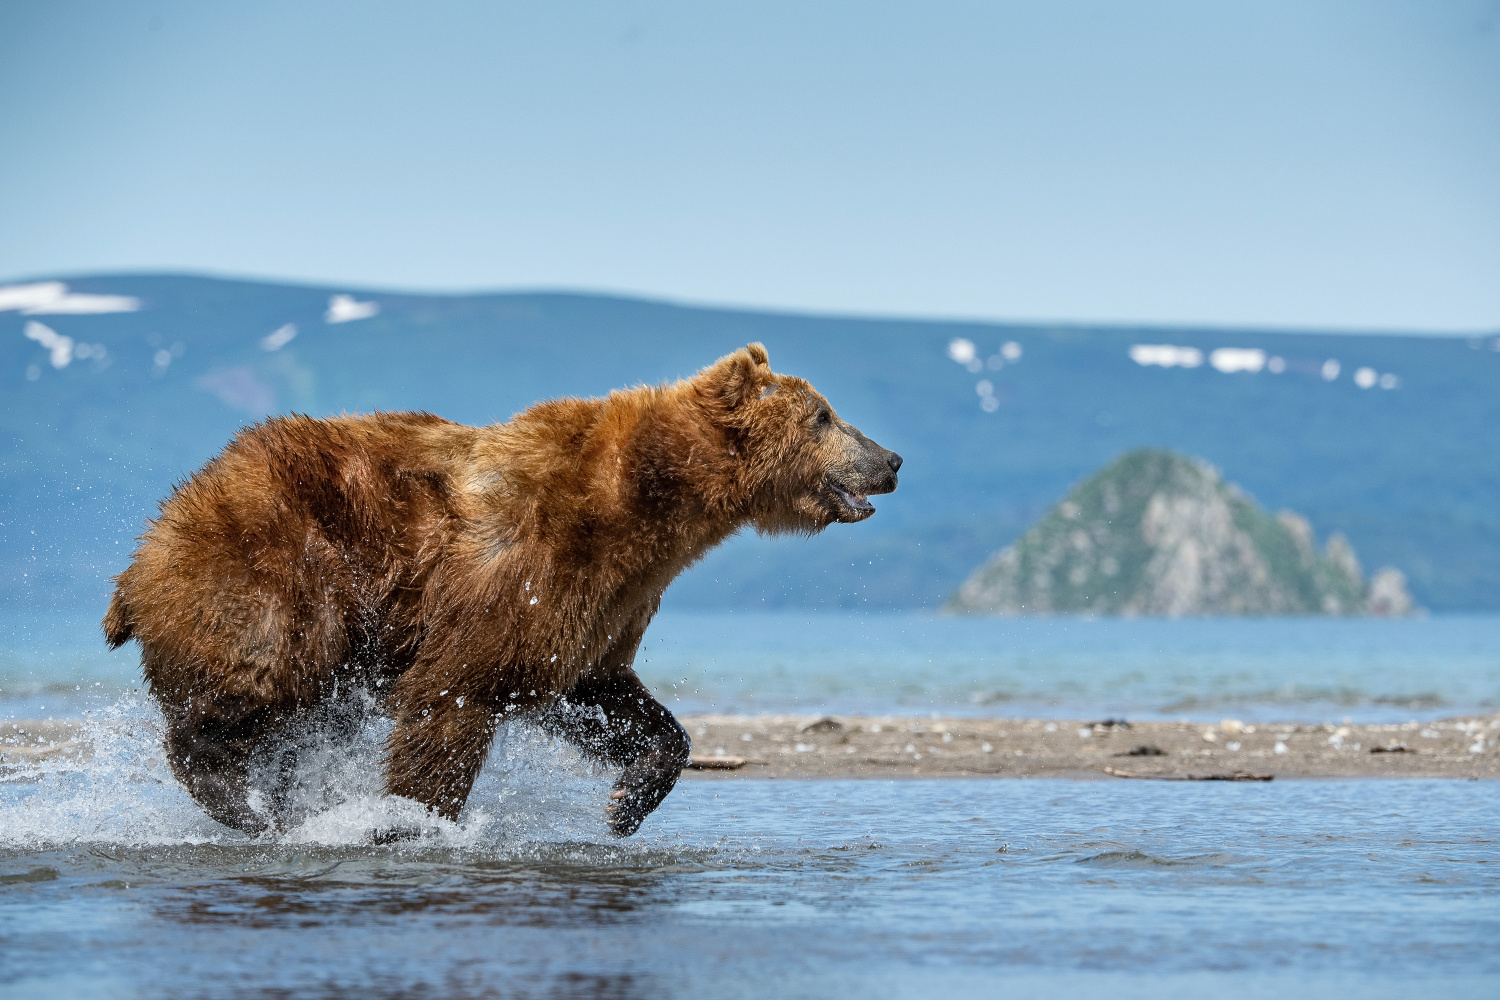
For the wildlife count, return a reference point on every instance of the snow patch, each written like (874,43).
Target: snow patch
(962,350)
(1238,359)
(1166,355)
(239,389)
(60,347)
(345,309)
(45,298)
(278,338)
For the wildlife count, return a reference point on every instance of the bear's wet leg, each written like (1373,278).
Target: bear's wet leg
(436,751)
(212,759)
(616,720)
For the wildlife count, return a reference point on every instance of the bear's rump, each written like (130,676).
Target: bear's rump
(268,613)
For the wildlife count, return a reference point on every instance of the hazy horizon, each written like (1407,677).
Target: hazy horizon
(1278,166)
(682,302)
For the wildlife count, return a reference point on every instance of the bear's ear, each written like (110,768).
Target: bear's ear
(737,377)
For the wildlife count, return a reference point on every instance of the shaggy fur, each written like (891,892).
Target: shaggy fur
(464,575)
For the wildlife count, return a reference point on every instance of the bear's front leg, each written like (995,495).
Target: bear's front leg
(615,719)
(437,749)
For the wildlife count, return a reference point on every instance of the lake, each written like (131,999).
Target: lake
(1300,669)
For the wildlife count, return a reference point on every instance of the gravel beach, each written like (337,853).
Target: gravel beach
(802,746)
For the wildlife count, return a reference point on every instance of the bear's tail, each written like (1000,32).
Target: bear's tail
(118,628)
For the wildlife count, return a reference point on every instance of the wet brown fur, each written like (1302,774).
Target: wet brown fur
(465,574)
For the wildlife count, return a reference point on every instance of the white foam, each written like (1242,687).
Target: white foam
(1366,378)
(119,791)
(114,787)
(345,309)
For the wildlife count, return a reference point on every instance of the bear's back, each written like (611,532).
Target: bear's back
(308,523)
(355,482)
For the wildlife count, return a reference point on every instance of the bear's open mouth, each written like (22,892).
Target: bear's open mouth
(855,503)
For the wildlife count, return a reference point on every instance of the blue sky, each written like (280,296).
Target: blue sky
(1305,164)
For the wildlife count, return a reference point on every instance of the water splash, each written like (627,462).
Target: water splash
(110,784)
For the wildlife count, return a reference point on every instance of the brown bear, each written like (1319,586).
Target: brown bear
(461,576)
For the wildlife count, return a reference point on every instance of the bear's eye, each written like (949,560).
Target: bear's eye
(824,418)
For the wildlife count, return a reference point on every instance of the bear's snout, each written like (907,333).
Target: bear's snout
(877,466)
(865,470)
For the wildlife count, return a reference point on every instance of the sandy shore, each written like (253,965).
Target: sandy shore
(801,746)
(783,746)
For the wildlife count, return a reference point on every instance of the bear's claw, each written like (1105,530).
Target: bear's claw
(639,791)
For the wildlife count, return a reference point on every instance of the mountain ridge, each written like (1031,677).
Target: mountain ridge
(1407,473)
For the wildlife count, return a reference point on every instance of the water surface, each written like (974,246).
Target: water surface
(1294,669)
(113,883)
(755,889)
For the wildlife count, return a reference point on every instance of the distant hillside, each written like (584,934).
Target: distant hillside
(1156,533)
(115,386)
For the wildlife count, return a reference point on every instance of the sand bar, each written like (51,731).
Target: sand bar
(737,747)
(786,746)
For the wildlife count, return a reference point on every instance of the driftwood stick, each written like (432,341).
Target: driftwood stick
(717,763)
(1233,776)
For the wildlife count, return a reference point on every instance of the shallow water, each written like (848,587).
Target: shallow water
(1294,669)
(1299,669)
(886,889)
(113,883)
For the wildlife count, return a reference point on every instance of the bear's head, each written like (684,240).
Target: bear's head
(801,468)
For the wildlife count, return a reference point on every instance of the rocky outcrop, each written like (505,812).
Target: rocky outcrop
(1156,533)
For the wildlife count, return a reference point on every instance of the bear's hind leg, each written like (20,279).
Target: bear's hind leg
(212,759)
(615,719)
